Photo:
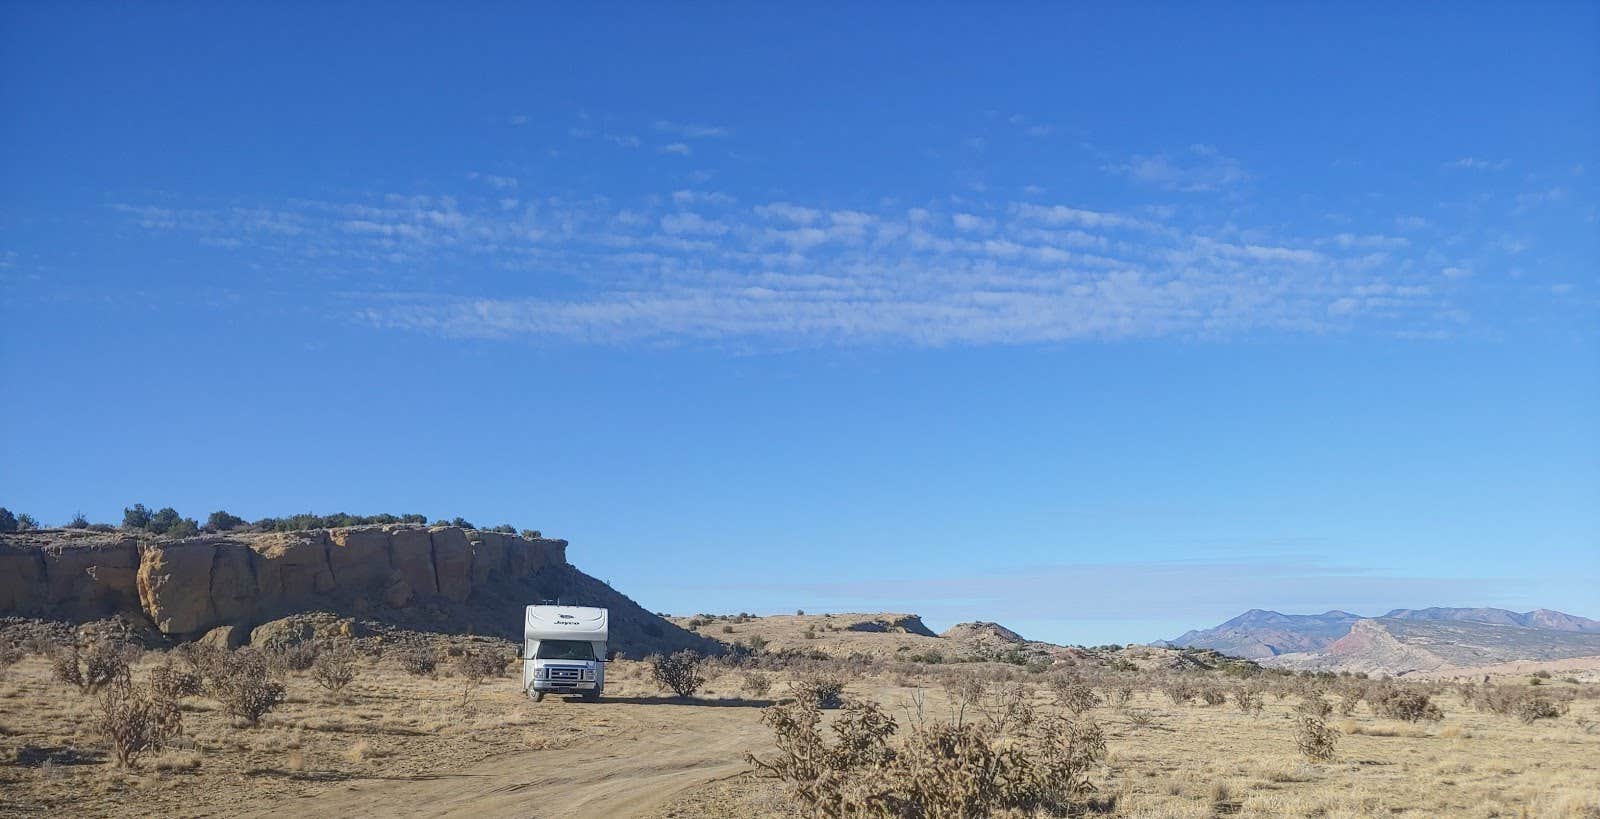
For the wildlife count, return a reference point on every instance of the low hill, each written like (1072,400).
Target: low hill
(904,637)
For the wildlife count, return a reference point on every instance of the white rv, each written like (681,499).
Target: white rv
(564,651)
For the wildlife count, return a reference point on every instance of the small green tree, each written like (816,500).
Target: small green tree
(136,517)
(27,523)
(162,520)
(221,521)
(184,527)
(8,521)
(78,522)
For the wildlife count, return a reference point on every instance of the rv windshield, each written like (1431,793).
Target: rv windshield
(564,650)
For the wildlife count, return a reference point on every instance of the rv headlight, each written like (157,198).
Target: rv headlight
(541,673)
(588,673)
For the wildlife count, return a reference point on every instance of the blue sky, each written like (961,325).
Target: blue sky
(1105,323)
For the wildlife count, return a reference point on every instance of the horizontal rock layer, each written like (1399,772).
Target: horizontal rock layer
(188,587)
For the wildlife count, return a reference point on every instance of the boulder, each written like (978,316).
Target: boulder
(411,554)
(359,559)
(224,637)
(397,592)
(452,563)
(175,585)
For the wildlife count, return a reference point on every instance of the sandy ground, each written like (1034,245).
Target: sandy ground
(670,748)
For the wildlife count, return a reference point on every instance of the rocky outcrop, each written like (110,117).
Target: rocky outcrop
(195,586)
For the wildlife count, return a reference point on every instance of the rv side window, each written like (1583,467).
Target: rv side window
(564,650)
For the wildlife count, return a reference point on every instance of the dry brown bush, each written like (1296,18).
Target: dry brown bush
(133,720)
(240,681)
(91,667)
(334,667)
(755,684)
(1179,691)
(938,770)
(678,672)
(1401,703)
(473,666)
(284,658)
(1212,695)
(825,691)
(420,660)
(1311,732)
(172,682)
(1248,700)
(1074,695)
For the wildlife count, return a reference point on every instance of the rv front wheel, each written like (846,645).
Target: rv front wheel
(538,696)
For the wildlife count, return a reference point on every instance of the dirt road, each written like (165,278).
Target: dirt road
(670,748)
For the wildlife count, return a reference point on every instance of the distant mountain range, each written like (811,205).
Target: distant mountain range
(1401,640)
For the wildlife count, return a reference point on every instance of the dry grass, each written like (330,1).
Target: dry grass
(1163,759)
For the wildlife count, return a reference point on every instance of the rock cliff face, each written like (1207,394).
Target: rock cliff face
(188,587)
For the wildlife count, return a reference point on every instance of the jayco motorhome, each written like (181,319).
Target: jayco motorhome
(564,651)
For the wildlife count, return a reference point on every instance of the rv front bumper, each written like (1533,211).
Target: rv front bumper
(564,685)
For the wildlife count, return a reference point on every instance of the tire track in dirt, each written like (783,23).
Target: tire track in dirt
(673,748)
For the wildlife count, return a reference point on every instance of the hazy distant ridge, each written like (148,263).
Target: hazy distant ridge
(1260,634)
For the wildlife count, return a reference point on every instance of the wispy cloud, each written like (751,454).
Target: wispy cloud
(679,148)
(1200,168)
(688,130)
(1473,163)
(700,267)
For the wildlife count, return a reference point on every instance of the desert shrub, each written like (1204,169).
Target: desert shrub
(965,689)
(1248,700)
(678,672)
(810,633)
(1311,732)
(1212,695)
(756,684)
(1532,708)
(758,643)
(1410,705)
(1179,691)
(531,534)
(1006,708)
(1349,698)
(827,692)
(133,720)
(1073,695)
(727,629)
(8,520)
(1119,696)
(172,682)
(91,667)
(334,667)
(473,666)
(938,770)
(283,658)
(419,660)
(204,660)
(241,682)
(10,654)
(79,521)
